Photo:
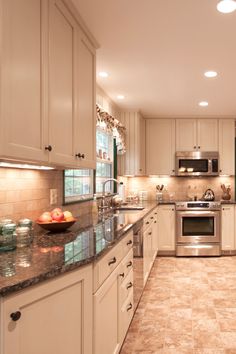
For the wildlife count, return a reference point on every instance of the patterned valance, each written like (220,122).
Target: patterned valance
(112,125)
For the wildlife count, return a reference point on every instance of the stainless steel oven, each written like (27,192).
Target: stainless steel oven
(198,229)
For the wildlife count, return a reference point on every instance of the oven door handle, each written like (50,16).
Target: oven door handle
(198,213)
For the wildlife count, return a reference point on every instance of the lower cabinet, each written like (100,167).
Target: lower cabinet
(166,228)
(228,227)
(113,303)
(147,252)
(53,317)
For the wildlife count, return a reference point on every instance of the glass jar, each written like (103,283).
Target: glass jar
(27,223)
(23,237)
(7,236)
(7,264)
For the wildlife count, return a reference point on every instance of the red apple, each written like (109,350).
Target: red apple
(68,215)
(45,217)
(57,216)
(56,210)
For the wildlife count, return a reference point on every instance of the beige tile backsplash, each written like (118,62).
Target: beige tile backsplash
(26,193)
(178,188)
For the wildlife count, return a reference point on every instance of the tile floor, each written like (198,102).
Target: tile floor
(187,307)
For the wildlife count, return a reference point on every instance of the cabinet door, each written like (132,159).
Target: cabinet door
(207,134)
(227,227)
(166,228)
(106,316)
(155,234)
(147,252)
(160,146)
(56,317)
(226,146)
(186,134)
(85,125)
(63,33)
(23,80)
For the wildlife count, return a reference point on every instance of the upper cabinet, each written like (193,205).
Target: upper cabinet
(47,84)
(196,134)
(226,146)
(24,120)
(160,146)
(133,161)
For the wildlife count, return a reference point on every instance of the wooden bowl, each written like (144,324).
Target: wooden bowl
(56,226)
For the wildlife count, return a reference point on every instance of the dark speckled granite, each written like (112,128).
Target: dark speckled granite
(54,254)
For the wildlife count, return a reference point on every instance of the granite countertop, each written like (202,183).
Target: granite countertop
(53,254)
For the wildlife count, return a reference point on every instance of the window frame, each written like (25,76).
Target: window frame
(79,200)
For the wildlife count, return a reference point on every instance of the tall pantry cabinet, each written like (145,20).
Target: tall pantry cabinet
(47,84)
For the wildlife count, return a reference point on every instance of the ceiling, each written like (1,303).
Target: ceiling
(156,52)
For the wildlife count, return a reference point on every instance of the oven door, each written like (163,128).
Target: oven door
(197,226)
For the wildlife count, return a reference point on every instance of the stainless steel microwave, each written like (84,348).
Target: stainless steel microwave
(197,163)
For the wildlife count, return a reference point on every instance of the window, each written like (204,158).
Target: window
(104,168)
(78,185)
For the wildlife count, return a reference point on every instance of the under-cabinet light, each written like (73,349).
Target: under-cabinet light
(25,166)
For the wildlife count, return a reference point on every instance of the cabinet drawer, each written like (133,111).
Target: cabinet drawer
(127,243)
(127,263)
(148,220)
(126,288)
(104,267)
(126,314)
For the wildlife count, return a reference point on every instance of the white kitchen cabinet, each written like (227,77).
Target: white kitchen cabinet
(228,227)
(71,90)
(56,317)
(166,228)
(133,161)
(23,116)
(226,146)
(147,252)
(113,297)
(196,134)
(47,84)
(160,146)
(155,233)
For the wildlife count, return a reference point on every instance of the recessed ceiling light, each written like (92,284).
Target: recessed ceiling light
(203,103)
(103,74)
(210,74)
(120,97)
(226,6)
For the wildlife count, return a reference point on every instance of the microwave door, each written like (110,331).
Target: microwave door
(192,167)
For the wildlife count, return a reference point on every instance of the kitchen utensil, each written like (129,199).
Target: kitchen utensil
(56,226)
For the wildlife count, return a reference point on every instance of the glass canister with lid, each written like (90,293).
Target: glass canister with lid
(7,235)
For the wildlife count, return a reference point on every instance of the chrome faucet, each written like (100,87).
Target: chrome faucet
(103,206)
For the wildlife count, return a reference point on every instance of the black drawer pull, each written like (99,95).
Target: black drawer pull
(147,222)
(129,243)
(155,222)
(122,275)
(129,285)
(129,307)
(155,213)
(149,233)
(15,316)
(129,264)
(79,155)
(112,261)
(152,217)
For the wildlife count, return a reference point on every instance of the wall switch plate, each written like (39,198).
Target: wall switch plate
(53,196)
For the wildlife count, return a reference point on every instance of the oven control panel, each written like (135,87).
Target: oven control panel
(198,205)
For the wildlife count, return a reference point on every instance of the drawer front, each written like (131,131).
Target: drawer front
(104,267)
(126,314)
(127,263)
(126,288)
(127,242)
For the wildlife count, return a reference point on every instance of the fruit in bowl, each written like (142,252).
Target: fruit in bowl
(56,220)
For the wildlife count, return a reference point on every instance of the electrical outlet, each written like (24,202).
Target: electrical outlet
(53,196)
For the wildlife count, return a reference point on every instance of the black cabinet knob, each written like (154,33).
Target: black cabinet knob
(194,147)
(48,147)
(112,261)
(15,316)
(122,275)
(199,147)
(80,156)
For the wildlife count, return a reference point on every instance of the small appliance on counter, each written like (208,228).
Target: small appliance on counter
(208,195)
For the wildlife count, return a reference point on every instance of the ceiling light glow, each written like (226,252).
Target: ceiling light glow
(210,74)
(120,97)
(226,6)
(203,103)
(103,74)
